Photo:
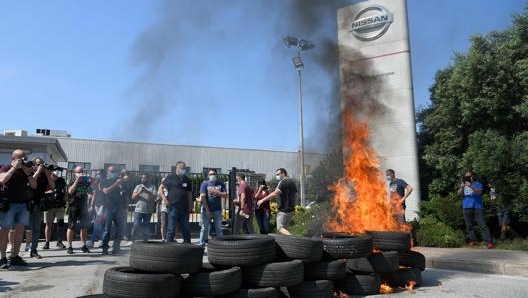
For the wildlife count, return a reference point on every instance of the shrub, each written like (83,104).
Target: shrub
(432,232)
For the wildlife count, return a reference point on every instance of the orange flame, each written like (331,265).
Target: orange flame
(361,201)
(385,289)
(340,294)
(410,285)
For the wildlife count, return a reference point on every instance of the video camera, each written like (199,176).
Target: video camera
(52,167)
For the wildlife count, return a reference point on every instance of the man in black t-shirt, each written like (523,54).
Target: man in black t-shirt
(178,201)
(286,192)
(111,186)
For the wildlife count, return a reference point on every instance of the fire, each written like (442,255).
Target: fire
(361,201)
(340,294)
(385,289)
(410,285)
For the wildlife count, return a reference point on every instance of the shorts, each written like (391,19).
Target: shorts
(163,219)
(53,213)
(17,215)
(284,219)
(79,214)
(504,217)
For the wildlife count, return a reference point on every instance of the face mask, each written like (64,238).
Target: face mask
(212,178)
(277,178)
(388,178)
(183,172)
(111,175)
(78,175)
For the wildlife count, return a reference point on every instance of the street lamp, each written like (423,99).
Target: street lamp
(301,45)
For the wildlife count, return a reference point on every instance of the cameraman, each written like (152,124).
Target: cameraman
(79,191)
(144,195)
(14,214)
(111,186)
(44,183)
(263,212)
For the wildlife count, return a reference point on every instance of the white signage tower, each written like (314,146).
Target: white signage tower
(375,68)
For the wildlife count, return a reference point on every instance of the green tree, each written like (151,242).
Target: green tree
(478,117)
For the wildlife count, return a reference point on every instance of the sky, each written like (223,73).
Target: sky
(201,72)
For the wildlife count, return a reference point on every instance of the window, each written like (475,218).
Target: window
(73,164)
(148,168)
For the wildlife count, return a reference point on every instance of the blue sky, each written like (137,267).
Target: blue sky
(200,72)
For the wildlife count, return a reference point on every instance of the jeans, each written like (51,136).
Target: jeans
(182,218)
(204,221)
(98,223)
(263,220)
(36,217)
(141,223)
(246,224)
(114,216)
(472,214)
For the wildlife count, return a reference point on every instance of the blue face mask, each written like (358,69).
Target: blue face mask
(183,172)
(212,178)
(277,178)
(111,175)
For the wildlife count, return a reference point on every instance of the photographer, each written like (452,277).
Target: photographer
(56,211)
(44,184)
(79,191)
(263,212)
(144,196)
(15,179)
(111,186)
(471,191)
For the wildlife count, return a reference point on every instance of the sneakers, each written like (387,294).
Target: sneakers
(89,244)
(17,261)
(129,243)
(3,263)
(105,252)
(490,245)
(472,244)
(46,245)
(60,244)
(85,249)
(70,250)
(34,254)
(26,248)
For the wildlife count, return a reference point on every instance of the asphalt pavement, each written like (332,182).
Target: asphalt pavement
(59,274)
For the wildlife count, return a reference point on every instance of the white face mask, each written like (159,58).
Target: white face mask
(277,178)
(388,178)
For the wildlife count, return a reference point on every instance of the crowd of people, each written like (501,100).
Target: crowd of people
(32,193)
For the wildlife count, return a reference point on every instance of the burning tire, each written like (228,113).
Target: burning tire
(360,284)
(377,262)
(413,259)
(300,248)
(279,274)
(241,250)
(129,282)
(403,277)
(346,246)
(391,240)
(309,289)
(325,270)
(167,257)
(209,282)
(268,292)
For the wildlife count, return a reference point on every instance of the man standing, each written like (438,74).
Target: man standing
(178,201)
(111,186)
(286,191)
(143,195)
(245,214)
(400,191)
(79,190)
(56,212)
(212,192)
(14,178)
(473,210)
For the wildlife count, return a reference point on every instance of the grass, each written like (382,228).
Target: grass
(515,244)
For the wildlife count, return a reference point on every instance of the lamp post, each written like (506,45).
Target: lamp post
(301,45)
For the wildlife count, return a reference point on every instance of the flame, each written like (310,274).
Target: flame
(340,294)
(385,289)
(361,201)
(410,285)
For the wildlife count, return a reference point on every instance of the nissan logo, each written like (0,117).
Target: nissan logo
(371,22)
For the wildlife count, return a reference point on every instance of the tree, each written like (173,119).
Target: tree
(478,117)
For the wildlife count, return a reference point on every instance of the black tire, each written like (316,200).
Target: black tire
(330,270)
(93,296)
(291,247)
(241,250)
(276,275)
(412,259)
(209,282)
(360,284)
(377,262)
(403,277)
(166,257)
(268,292)
(391,240)
(312,289)
(346,246)
(129,282)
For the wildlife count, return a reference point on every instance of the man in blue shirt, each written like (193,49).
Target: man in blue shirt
(212,192)
(473,210)
(402,190)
